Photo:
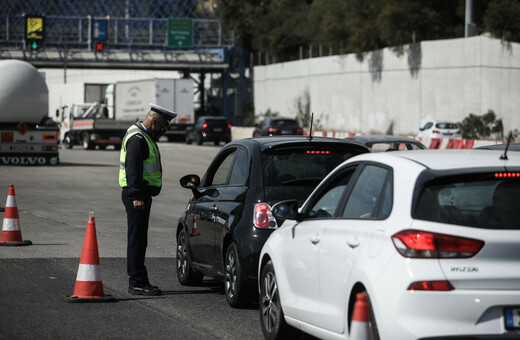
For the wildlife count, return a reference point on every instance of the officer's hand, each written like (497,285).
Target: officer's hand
(139,205)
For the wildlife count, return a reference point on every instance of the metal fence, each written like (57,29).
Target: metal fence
(123,33)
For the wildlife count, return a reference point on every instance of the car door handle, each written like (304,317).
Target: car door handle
(352,242)
(315,239)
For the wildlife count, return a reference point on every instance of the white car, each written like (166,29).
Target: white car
(440,129)
(433,238)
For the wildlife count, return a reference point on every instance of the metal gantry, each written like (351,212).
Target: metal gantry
(137,34)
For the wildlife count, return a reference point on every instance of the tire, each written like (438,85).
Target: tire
(67,142)
(199,140)
(188,140)
(271,313)
(185,275)
(236,290)
(87,144)
(373,323)
(102,147)
(216,142)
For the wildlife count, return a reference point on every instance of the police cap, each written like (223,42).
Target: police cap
(165,113)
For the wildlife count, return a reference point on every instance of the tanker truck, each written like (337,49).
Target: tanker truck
(28,136)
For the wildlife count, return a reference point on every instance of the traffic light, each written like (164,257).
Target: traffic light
(34,45)
(34,31)
(99,46)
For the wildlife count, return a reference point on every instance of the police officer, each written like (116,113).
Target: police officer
(140,177)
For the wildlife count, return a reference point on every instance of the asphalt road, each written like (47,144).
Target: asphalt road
(54,204)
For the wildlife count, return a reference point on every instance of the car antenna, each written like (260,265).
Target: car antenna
(310,130)
(504,156)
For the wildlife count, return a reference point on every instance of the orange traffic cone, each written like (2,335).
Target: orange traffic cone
(194,230)
(11,234)
(89,287)
(360,328)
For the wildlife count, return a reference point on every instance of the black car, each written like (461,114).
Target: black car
(378,143)
(209,129)
(512,147)
(273,126)
(228,218)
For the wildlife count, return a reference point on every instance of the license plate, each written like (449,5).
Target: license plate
(448,133)
(512,316)
(286,132)
(217,129)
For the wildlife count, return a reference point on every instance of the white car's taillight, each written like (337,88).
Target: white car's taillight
(423,244)
(263,217)
(439,286)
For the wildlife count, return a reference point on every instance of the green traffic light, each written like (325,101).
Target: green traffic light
(34,45)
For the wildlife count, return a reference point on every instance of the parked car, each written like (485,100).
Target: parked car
(209,129)
(440,129)
(432,237)
(273,126)
(228,218)
(377,143)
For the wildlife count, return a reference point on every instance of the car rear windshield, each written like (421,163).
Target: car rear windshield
(284,122)
(216,122)
(487,201)
(446,126)
(293,173)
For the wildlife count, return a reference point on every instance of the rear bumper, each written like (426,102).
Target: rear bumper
(454,314)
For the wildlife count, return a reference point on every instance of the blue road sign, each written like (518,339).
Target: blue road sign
(99,29)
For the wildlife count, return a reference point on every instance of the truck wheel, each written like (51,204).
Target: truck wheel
(87,144)
(67,142)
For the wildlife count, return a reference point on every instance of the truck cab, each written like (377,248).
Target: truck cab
(87,124)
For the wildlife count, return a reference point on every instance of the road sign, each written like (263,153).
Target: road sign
(99,29)
(34,29)
(180,32)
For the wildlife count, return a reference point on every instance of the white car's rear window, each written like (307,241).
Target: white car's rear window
(481,201)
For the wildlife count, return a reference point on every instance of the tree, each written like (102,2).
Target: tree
(502,19)
(481,127)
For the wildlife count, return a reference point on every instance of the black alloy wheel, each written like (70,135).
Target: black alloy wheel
(235,289)
(185,274)
(271,313)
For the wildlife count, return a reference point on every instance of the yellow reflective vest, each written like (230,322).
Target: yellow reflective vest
(152,172)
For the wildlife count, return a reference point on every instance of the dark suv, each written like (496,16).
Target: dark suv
(273,126)
(228,218)
(209,129)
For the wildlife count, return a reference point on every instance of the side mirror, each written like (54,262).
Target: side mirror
(286,210)
(190,181)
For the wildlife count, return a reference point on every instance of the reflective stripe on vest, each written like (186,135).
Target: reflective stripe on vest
(151,166)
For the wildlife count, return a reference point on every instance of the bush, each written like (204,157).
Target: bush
(481,127)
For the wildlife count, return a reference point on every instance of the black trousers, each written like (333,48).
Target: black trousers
(137,221)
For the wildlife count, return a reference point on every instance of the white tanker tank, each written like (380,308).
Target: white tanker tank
(28,135)
(23,93)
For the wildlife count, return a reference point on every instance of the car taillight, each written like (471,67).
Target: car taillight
(458,132)
(229,126)
(204,126)
(263,217)
(271,129)
(442,286)
(298,130)
(436,131)
(423,244)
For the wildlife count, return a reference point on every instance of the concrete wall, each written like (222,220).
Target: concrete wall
(443,80)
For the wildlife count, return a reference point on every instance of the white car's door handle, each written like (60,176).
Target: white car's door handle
(315,239)
(353,243)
